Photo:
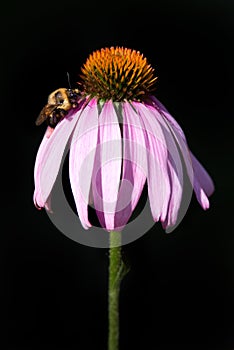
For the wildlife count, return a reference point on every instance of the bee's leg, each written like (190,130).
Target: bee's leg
(53,119)
(73,98)
(62,113)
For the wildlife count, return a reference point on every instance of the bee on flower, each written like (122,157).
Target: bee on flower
(120,137)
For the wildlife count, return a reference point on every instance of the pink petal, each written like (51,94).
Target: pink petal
(195,175)
(176,181)
(49,158)
(175,171)
(202,176)
(107,166)
(161,108)
(157,178)
(81,161)
(200,195)
(134,166)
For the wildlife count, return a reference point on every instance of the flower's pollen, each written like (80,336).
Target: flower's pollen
(117,73)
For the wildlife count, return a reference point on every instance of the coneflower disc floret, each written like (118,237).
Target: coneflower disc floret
(117,74)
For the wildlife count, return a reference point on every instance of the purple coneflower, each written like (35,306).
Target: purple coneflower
(120,136)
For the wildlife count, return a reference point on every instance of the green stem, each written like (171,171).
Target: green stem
(117,271)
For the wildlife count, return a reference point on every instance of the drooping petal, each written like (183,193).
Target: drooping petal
(176,181)
(202,176)
(81,159)
(160,107)
(157,177)
(134,170)
(49,158)
(107,166)
(175,172)
(194,173)
(201,195)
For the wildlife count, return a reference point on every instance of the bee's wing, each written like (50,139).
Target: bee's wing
(45,112)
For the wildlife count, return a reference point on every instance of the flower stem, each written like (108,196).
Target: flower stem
(117,270)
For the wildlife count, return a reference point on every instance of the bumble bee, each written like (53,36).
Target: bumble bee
(60,102)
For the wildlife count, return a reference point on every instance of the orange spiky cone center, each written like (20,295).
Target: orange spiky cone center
(118,74)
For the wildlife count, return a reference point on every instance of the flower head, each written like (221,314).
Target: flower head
(117,74)
(120,137)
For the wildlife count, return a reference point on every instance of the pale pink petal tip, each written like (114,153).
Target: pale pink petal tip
(49,132)
(36,205)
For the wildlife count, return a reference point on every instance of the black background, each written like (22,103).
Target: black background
(180,291)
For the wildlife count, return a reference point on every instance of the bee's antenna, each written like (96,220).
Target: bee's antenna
(68,79)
